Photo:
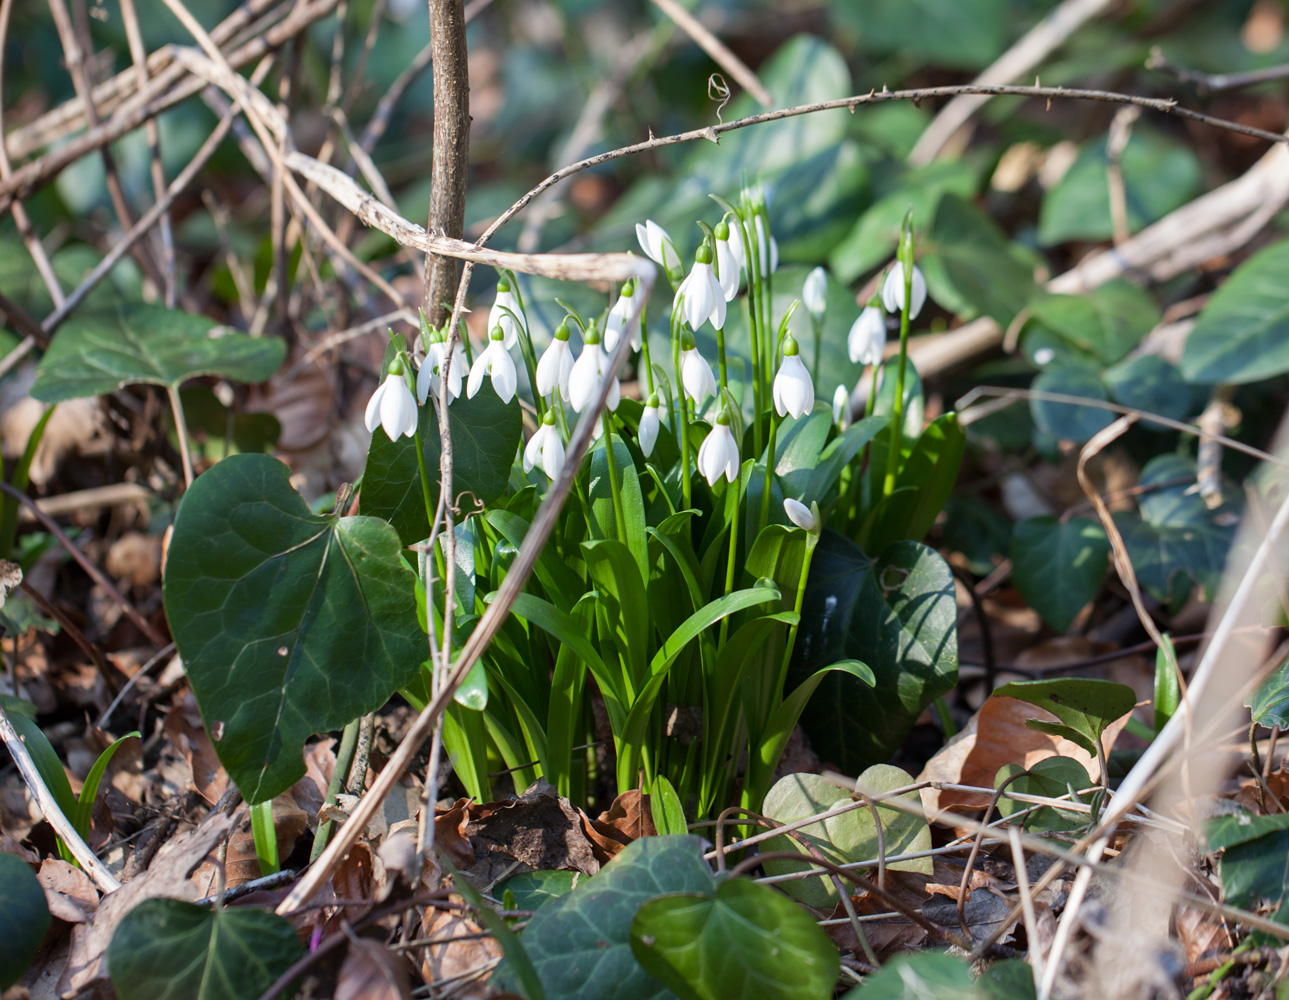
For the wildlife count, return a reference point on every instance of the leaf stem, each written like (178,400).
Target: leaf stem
(181,431)
(619,518)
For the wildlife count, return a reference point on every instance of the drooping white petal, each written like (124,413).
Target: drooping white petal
(554,368)
(584,381)
(503,314)
(814,293)
(867,337)
(371,416)
(799,514)
(718,455)
(495,362)
(793,391)
(653,241)
(698,296)
(647,432)
(893,291)
(696,376)
(398,412)
(477,371)
(729,264)
(616,323)
(552,454)
(841,407)
(427,379)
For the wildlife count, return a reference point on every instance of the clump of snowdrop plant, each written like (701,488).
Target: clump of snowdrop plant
(657,568)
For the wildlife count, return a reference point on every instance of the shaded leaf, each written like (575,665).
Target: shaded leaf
(289,623)
(1093,329)
(532,890)
(96,353)
(1270,703)
(1148,382)
(971,267)
(743,940)
(166,949)
(962,33)
(1058,566)
(918,977)
(1069,421)
(897,615)
(24,918)
(1085,706)
(1051,777)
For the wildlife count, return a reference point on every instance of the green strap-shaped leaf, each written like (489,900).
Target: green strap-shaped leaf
(743,940)
(289,623)
(166,949)
(95,353)
(89,789)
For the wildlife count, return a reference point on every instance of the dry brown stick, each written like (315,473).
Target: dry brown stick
(69,116)
(94,868)
(718,50)
(1030,50)
(138,53)
(96,574)
(1209,83)
(451,157)
(158,98)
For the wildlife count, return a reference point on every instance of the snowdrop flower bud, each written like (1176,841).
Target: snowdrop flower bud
(495,362)
(700,296)
(841,407)
(867,337)
(587,375)
(814,293)
(657,245)
(800,515)
(793,392)
(392,405)
(650,421)
(893,291)
(617,321)
(767,246)
(695,373)
(729,259)
(427,379)
(503,313)
(545,448)
(555,365)
(718,454)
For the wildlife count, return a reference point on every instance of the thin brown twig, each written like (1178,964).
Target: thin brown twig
(1212,83)
(718,50)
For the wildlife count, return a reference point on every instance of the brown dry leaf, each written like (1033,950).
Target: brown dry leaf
(628,818)
(303,403)
(539,831)
(887,937)
(1202,934)
(166,876)
(997,735)
(10,846)
(450,833)
(134,559)
(464,948)
(371,971)
(311,790)
(68,891)
(184,726)
(1277,785)
(242,864)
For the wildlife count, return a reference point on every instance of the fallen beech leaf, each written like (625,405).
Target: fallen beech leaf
(371,971)
(450,833)
(1202,935)
(463,948)
(997,735)
(167,876)
(184,726)
(628,818)
(68,891)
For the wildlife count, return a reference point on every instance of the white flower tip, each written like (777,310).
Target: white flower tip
(800,515)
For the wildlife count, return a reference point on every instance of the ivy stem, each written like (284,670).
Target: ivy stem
(181,431)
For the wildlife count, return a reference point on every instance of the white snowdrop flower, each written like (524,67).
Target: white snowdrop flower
(587,375)
(495,362)
(695,373)
(503,313)
(718,454)
(392,405)
(793,391)
(545,448)
(650,421)
(656,244)
(555,365)
(841,407)
(427,379)
(814,293)
(867,337)
(1044,356)
(800,515)
(893,291)
(617,321)
(729,259)
(767,248)
(700,296)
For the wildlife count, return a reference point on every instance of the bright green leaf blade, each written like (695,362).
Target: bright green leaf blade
(580,944)
(485,436)
(1009,979)
(745,941)
(89,788)
(1255,859)
(166,949)
(1270,703)
(96,353)
(1051,777)
(897,615)
(46,760)
(706,616)
(24,918)
(1168,690)
(1087,706)
(289,623)
(533,890)
(1242,335)
(665,809)
(1058,566)
(921,976)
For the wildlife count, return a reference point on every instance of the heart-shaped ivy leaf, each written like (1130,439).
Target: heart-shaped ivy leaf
(1085,706)
(24,918)
(289,623)
(99,352)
